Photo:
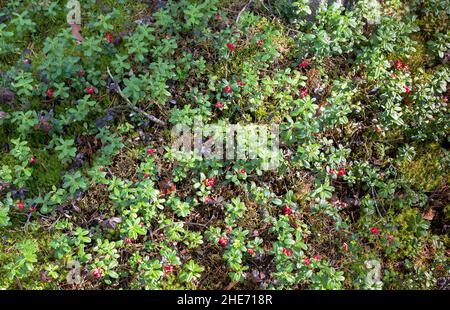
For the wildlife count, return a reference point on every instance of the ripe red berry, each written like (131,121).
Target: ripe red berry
(32,160)
(231,46)
(109,37)
(251,251)
(223,241)
(317,257)
(97,272)
(90,90)
(260,42)
(398,64)
(374,230)
(407,89)
(218,17)
(304,92)
(219,105)
(287,210)
(306,261)
(49,92)
(168,269)
(146,175)
(228,89)
(287,252)
(128,240)
(341,172)
(305,63)
(151,151)
(20,205)
(243,171)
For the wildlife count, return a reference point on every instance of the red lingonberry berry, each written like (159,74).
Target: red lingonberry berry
(49,92)
(32,160)
(398,64)
(219,105)
(341,172)
(231,46)
(97,272)
(168,269)
(287,252)
(407,89)
(90,90)
(317,257)
(305,63)
(20,205)
(260,42)
(374,230)
(109,37)
(151,151)
(228,89)
(287,210)
(251,251)
(304,92)
(306,261)
(128,240)
(223,241)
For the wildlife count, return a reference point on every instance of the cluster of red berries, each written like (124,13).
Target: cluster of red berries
(209,182)
(399,65)
(287,252)
(287,210)
(128,240)
(240,83)
(97,272)
(305,63)
(151,151)
(340,172)
(223,242)
(304,92)
(168,268)
(231,46)
(109,37)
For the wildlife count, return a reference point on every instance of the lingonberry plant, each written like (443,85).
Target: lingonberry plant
(88,175)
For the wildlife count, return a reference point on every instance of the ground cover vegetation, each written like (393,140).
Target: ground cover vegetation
(93,197)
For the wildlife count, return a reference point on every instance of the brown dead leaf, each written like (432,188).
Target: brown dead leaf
(429,214)
(76,32)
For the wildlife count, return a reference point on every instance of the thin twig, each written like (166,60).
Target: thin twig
(242,11)
(132,106)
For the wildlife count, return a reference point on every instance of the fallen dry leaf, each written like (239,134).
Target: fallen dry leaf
(76,32)
(429,215)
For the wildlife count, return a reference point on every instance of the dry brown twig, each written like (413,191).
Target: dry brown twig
(132,106)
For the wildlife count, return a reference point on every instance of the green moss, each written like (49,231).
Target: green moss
(425,171)
(47,172)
